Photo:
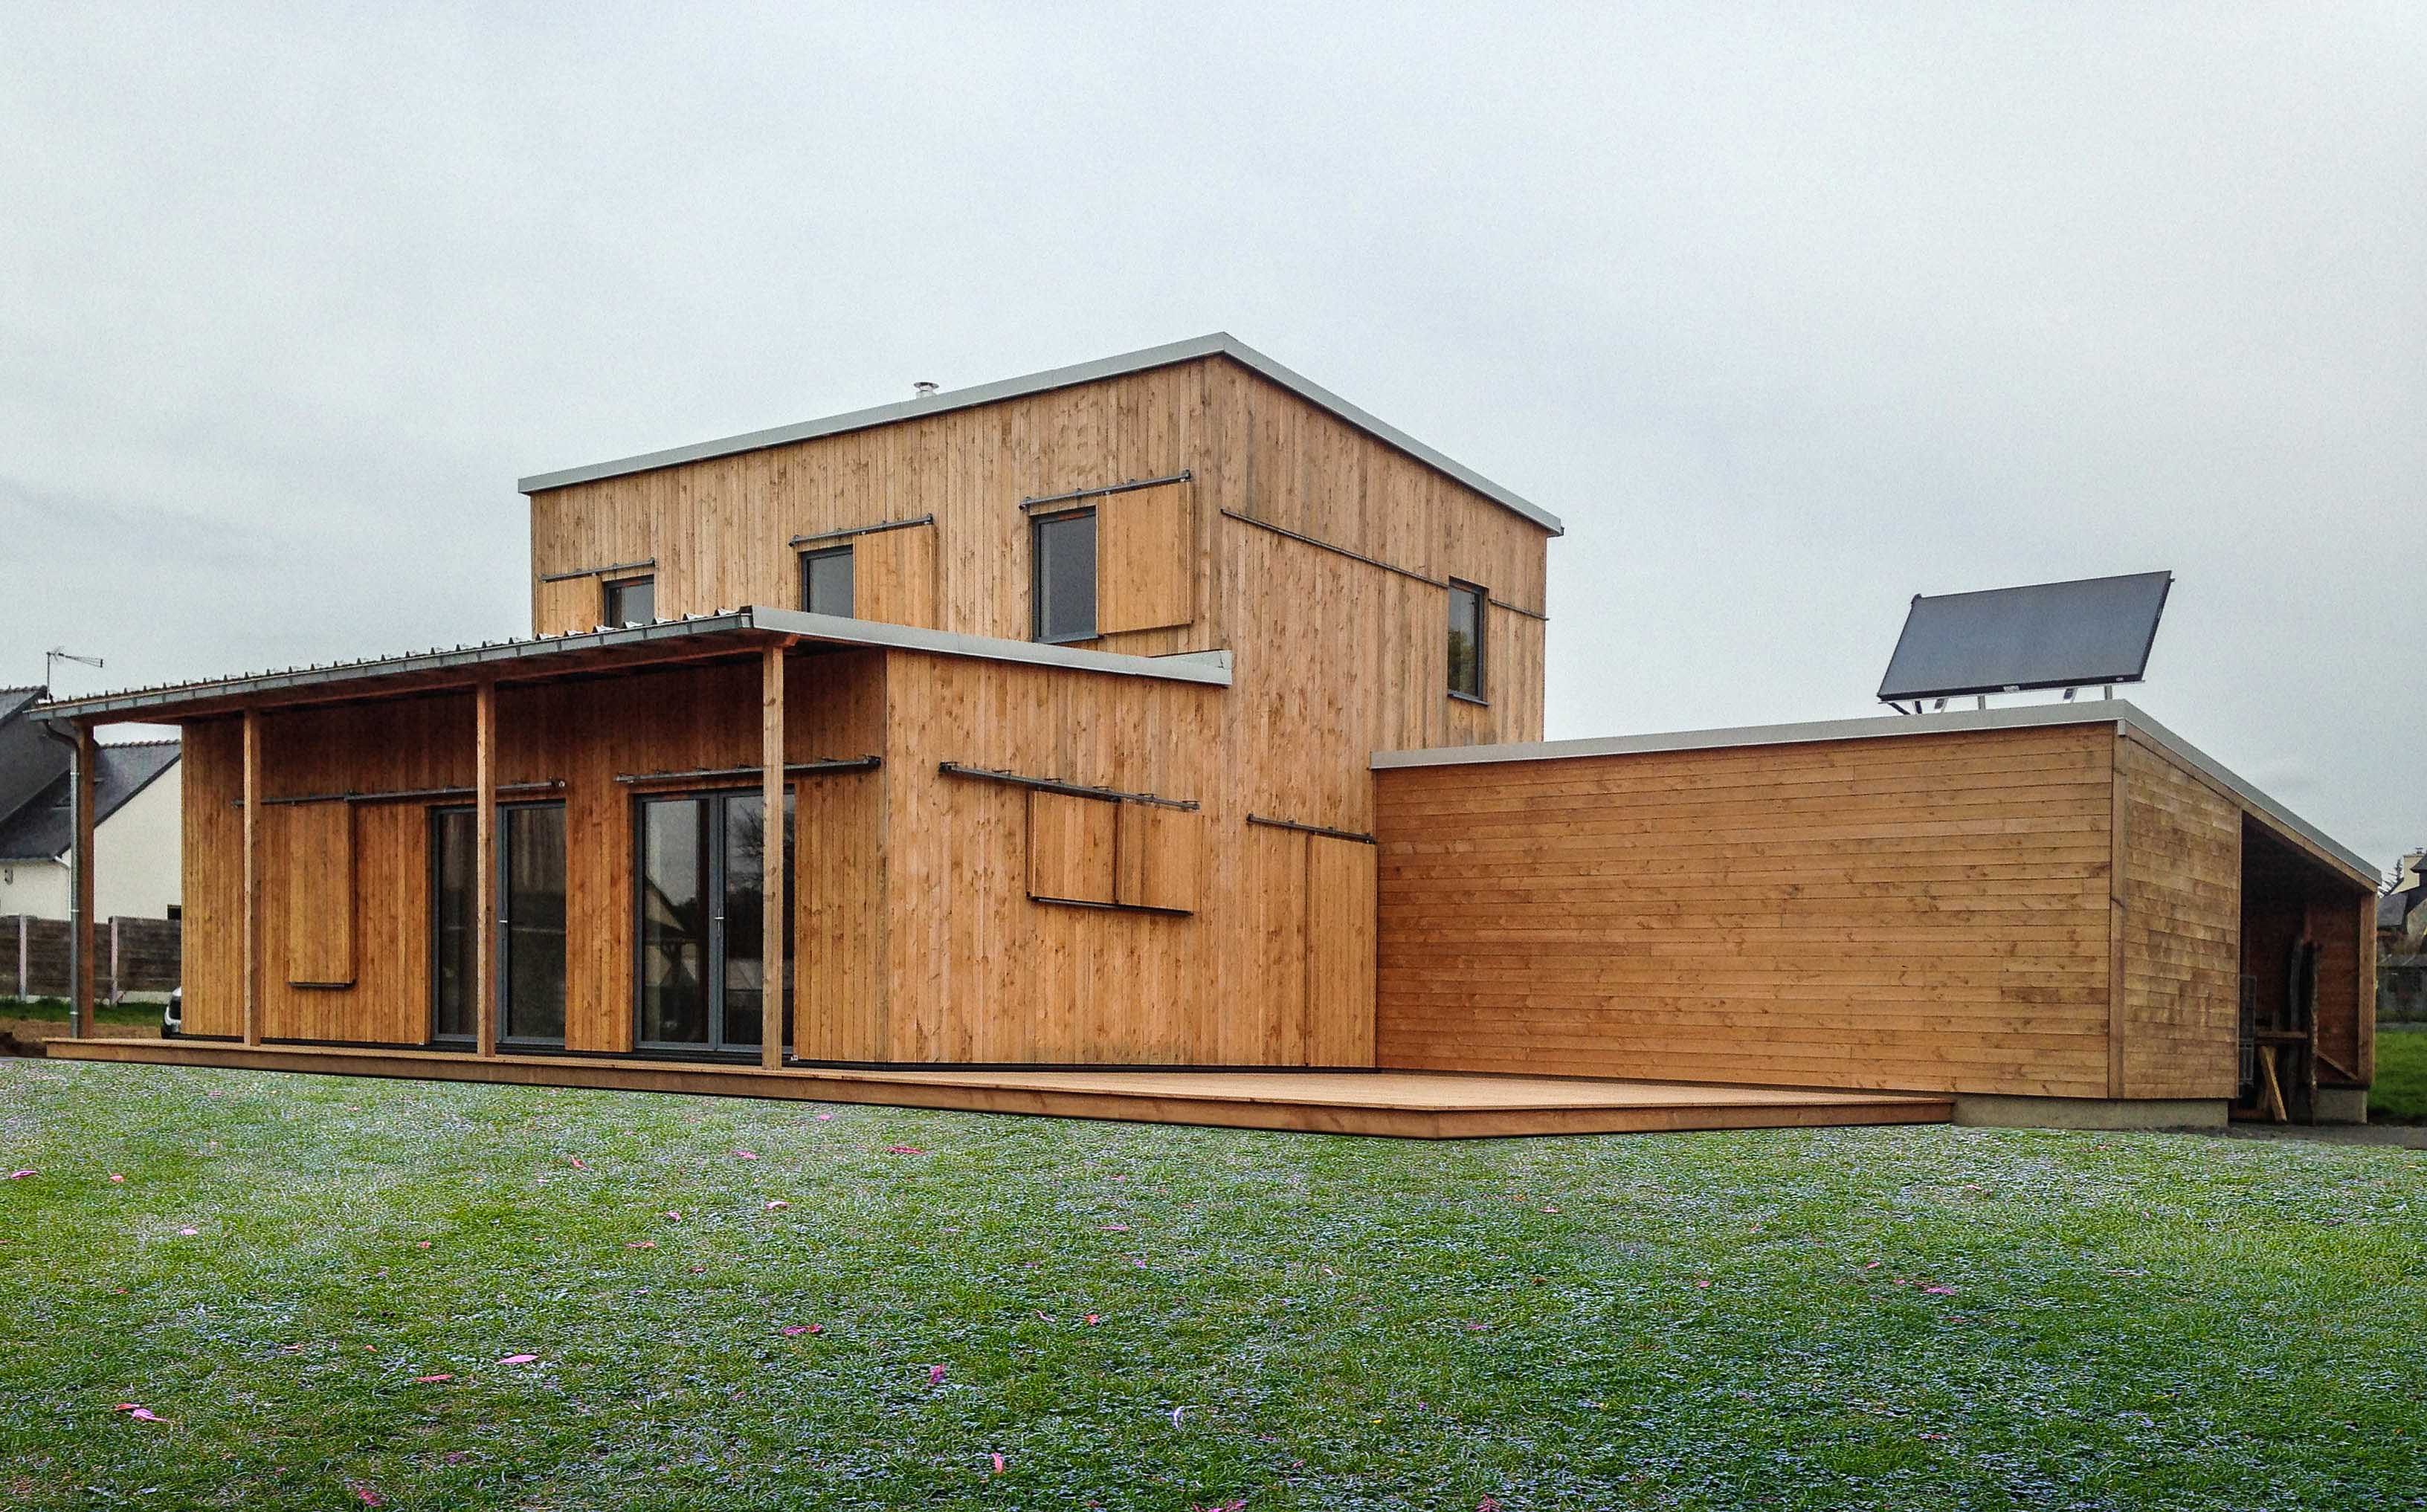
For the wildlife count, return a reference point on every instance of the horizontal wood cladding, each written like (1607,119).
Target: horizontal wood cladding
(1928,913)
(2179,920)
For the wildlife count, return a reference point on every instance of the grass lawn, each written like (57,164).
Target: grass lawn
(54,1011)
(2399,1094)
(317,1286)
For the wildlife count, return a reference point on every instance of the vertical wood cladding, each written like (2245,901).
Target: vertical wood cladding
(1922,912)
(916,938)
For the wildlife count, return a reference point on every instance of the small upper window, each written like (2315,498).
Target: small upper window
(1065,586)
(1465,640)
(825,581)
(632,601)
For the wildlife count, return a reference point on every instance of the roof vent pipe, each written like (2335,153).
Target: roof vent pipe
(924,389)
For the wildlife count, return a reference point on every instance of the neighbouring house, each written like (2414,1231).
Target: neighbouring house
(136,816)
(2402,908)
(1139,730)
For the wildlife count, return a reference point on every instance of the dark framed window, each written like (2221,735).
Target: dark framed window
(825,581)
(631,601)
(1466,626)
(700,980)
(529,927)
(1062,548)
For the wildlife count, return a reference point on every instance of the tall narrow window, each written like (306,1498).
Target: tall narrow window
(1465,640)
(825,581)
(631,601)
(453,996)
(1065,587)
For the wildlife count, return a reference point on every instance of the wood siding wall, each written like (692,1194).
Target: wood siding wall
(2179,920)
(1340,634)
(583,735)
(1925,913)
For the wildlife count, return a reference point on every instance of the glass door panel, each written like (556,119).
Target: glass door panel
(742,970)
(453,1015)
(532,969)
(703,975)
(672,978)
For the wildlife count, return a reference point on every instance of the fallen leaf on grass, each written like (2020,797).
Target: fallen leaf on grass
(799,1328)
(1117,1228)
(190,1232)
(824,1116)
(998,1464)
(115,1177)
(19,1176)
(518,1359)
(1175,1414)
(1094,1318)
(576,1162)
(138,1411)
(1940,1291)
(426,1380)
(903,1149)
(370,1497)
(640,1244)
(744,1155)
(775,1204)
(935,1375)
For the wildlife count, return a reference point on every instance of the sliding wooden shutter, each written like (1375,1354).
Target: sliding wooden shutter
(1340,950)
(1161,855)
(1070,846)
(893,576)
(319,883)
(1146,559)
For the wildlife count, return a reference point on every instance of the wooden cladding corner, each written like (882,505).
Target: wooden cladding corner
(1107,853)
(320,894)
(1145,558)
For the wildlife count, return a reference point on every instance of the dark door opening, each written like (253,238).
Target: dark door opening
(700,978)
(529,927)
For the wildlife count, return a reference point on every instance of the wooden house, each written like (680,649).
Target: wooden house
(1069,692)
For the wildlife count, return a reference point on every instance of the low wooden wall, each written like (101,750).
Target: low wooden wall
(1927,912)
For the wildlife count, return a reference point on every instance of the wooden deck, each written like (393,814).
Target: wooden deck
(1408,1104)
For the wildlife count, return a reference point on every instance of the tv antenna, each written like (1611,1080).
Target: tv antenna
(51,659)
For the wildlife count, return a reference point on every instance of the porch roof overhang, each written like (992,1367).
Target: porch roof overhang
(590,652)
(2127,717)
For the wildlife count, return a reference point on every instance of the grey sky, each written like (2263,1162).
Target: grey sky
(1790,316)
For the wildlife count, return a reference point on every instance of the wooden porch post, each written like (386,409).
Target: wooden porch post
(80,1015)
(251,782)
(775,986)
(484,863)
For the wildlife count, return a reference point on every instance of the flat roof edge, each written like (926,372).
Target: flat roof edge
(1209,668)
(1212,668)
(1219,344)
(2101,711)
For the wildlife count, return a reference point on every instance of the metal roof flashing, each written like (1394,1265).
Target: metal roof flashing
(1212,668)
(1219,344)
(2115,711)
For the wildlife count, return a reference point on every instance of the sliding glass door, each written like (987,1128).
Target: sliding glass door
(700,978)
(529,928)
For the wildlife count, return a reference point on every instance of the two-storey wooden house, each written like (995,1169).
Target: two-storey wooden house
(1070,693)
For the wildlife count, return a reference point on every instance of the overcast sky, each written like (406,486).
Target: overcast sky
(1789,316)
